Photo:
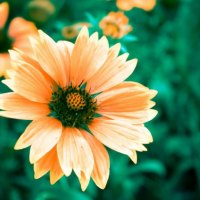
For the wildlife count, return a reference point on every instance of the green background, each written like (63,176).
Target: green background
(166,42)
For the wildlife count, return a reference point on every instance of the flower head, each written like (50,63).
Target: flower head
(146,5)
(16,36)
(76,97)
(115,24)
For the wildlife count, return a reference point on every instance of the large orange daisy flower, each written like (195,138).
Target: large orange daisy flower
(146,5)
(16,36)
(76,97)
(115,24)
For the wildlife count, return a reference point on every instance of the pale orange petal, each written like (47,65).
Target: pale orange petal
(4,10)
(124,4)
(50,59)
(120,136)
(34,86)
(4,63)
(85,56)
(40,136)
(49,162)
(20,108)
(63,47)
(101,169)
(114,71)
(136,117)
(146,5)
(20,27)
(135,106)
(75,153)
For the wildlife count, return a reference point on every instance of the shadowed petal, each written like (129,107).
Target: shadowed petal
(75,153)
(101,169)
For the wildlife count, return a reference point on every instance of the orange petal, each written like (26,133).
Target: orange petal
(101,169)
(42,135)
(124,4)
(49,162)
(49,57)
(56,172)
(44,164)
(135,106)
(4,63)
(144,4)
(135,117)
(75,153)
(20,27)
(34,86)
(114,71)
(63,47)
(18,107)
(4,10)
(120,136)
(88,55)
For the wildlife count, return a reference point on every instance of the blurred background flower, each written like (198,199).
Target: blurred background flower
(166,42)
(115,24)
(130,4)
(14,35)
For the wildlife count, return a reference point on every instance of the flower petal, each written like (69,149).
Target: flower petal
(88,55)
(4,63)
(135,106)
(50,58)
(42,135)
(75,153)
(101,169)
(120,136)
(63,47)
(49,162)
(18,107)
(20,27)
(35,87)
(114,71)
(4,10)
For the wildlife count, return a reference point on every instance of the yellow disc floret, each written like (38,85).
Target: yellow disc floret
(75,101)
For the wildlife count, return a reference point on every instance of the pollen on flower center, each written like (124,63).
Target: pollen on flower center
(75,101)
(73,106)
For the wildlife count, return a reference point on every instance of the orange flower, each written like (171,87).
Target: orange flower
(70,32)
(115,24)
(146,5)
(76,97)
(15,37)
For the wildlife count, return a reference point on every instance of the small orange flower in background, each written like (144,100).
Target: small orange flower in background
(146,5)
(70,32)
(115,24)
(76,97)
(15,37)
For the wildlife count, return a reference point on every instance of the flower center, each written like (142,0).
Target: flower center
(72,106)
(75,101)
(5,42)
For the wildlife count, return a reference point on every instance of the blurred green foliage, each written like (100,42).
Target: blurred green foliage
(168,49)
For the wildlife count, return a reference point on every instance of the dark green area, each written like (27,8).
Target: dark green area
(70,111)
(168,49)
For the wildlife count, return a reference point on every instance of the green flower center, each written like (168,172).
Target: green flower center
(72,106)
(5,42)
